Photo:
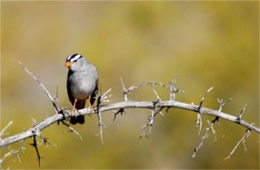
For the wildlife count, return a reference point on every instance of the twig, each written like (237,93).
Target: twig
(149,124)
(55,105)
(102,98)
(16,152)
(242,111)
(203,99)
(105,97)
(222,103)
(205,136)
(211,124)
(35,145)
(247,133)
(5,128)
(125,92)
(156,94)
(73,130)
(100,125)
(134,87)
(171,90)
(199,120)
(5,156)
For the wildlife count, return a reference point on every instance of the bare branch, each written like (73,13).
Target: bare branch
(211,124)
(105,97)
(53,101)
(5,128)
(5,156)
(148,126)
(72,130)
(118,105)
(155,107)
(206,135)
(156,94)
(16,152)
(243,139)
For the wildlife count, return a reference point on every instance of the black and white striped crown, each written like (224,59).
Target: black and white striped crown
(74,57)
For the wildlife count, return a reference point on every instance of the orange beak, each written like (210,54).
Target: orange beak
(68,64)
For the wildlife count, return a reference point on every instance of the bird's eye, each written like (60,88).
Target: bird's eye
(75,61)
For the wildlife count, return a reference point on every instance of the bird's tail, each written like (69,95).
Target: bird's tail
(77,119)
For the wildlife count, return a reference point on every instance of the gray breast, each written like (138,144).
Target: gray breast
(82,83)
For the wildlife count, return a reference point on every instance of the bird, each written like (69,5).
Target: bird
(82,84)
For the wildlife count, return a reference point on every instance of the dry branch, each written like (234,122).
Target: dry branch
(124,104)
(62,114)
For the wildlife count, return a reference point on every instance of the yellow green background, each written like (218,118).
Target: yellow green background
(205,43)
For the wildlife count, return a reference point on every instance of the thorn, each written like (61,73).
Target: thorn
(121,111)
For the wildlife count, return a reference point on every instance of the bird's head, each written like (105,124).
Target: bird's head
(75,62)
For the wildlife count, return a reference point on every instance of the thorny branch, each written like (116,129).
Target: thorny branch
(63,114)
(211,124)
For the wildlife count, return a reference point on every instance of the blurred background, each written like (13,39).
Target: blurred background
(204,43)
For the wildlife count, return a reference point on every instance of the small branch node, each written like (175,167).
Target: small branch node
(199,120)
(125,91)
(173,90)
(222,103)
(242,111)
(203,99)
(120,111)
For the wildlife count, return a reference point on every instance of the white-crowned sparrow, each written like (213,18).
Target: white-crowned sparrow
(82,84)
